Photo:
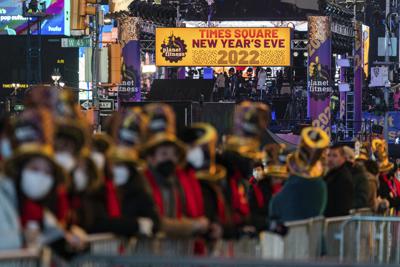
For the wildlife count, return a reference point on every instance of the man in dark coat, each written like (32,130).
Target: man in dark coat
(339,182)
(359,178)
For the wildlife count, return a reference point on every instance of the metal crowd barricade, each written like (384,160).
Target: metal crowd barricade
(137,261)
(303,241)
(111,245)
(369,239)
(332,227)
(246,247)
(106,244)
(20,258)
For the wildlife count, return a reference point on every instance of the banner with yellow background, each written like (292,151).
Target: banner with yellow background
(222,47)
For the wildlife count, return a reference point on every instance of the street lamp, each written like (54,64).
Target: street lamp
(56,76)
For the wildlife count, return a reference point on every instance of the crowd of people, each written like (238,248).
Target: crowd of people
(239,86)
(140,178)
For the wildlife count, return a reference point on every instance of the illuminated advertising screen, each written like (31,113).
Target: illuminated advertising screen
(12,21)
(366,41)
(223,47)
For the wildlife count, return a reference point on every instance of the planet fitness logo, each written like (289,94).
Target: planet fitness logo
(173,49)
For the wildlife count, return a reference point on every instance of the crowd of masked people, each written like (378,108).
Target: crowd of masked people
(140,178)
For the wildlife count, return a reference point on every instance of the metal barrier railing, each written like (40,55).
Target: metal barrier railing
(135,261)
(352,239)
(331,249)
(369,239)
(303,241)
(20,258)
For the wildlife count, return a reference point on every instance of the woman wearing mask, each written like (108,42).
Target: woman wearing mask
(72,139)
(202,139)
(240,152)
(101,146)
(86,197)
(41,205)
(266,183)
(133,209)
(171,188)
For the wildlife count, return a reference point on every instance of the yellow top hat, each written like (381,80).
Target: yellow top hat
(102,142)
(164,138)
(206,136)
(363,153)
(276,161)
(161,129)
(70,121)
(380,150)
(246,147)
(28,150)
(305,162)
(251,119)
(129,127)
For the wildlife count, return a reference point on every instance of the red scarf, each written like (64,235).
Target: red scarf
(63,207)
(76,203)
(258,195)
(193,194)
(239,201)
(157,196)
(276,188)
(113,205)
(393,186)
(31,211)
(221,208)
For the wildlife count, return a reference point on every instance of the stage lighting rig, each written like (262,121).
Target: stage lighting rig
(165,15)
(342,25)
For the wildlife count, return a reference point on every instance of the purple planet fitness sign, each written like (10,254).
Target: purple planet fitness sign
(319,83)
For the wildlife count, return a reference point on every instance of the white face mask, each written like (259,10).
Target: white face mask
(35,184)
(258,175)
(120,175)
(98,159)
(5,148)
(81,180)
(65,160)
(195,156)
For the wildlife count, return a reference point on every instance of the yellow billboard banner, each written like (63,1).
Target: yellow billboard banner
(223,47)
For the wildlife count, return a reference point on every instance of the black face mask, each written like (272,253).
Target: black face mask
(165,168)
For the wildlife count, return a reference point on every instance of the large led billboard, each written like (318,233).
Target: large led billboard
(223,47)
(12,21)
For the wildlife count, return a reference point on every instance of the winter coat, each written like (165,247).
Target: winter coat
(178,200)
(300,199)
(134,202)
(373,185)
(260,194)
(340,192)
(361,187)
(10,230)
